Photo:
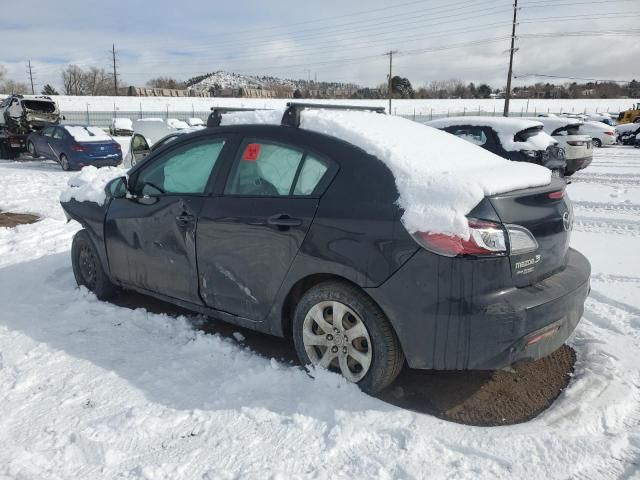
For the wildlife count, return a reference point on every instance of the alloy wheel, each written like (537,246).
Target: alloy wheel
(336,338)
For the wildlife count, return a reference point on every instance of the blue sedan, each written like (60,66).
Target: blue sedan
(75,146)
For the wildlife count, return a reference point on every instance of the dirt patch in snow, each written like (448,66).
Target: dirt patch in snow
(10,220)
(481,398)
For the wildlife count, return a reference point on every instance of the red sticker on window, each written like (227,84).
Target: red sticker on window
(252,152)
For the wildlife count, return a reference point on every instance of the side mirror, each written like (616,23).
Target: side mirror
(116,188)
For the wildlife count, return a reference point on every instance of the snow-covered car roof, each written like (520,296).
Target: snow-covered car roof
(505,127)
(627,127)
(440,178)
(515,125)
(82,133)
(122,123)
(551,124)
(595,125)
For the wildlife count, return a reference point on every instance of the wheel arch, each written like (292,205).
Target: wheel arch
(305,284)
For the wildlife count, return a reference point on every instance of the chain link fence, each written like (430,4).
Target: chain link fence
(102,119)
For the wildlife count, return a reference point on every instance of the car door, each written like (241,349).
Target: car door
(150,236)
(139,148)
(56,142)
(249,235)
(41,142)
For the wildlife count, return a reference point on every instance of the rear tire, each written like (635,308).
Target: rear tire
(596,142)
(87,268)
(362,342)
(64,163)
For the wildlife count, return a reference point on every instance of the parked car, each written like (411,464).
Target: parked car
(600,133)
(194,122)
(298,233)
(578,150)
(139,148)
(148,135)
(511,138)
(627,132)
(177,124)
(601,118)
(121,126)
(75,146)
(24,113)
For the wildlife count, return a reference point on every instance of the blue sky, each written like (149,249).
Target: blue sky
(333,40)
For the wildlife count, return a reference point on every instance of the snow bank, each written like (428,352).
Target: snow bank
(88,185)
(505,128)
(440,178)
(88,134)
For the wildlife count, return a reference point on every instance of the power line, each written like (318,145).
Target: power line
(525,75)
(390,53)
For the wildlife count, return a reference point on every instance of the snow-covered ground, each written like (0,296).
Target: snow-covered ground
(90,390)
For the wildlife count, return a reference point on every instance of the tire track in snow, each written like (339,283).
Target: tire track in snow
(608,179)
(606,225)
(603,207)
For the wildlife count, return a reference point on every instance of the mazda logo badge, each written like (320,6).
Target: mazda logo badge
(566,221)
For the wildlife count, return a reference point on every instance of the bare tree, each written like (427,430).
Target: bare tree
(12,87)
(72,80)
(166,82)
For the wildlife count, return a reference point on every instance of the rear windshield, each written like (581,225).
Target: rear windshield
(568,130)
(39,106)
(526,134)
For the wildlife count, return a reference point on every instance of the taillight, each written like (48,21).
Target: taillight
(556,195)
(118,146)
(485,239)
(609,133)
(76,147)
(576,143)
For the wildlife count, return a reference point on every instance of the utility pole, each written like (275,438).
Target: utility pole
(390,53)
(31,78)
(115,73)
(507,94)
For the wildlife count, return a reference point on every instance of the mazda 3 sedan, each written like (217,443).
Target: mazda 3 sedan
(297,233)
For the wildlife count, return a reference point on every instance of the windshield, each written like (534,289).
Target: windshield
(39,106)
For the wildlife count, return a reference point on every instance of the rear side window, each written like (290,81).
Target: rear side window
(185,170)
(311,173)
(264,169)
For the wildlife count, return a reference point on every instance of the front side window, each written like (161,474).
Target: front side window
(264,169)
(185,170)
(58,134)
(139,144)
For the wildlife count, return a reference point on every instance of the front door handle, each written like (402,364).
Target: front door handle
(185,219)
(284,220)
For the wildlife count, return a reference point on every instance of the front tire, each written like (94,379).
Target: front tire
(87,268)
(31,148)
(337,327)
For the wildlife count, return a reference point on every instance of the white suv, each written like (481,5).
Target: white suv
(578,148)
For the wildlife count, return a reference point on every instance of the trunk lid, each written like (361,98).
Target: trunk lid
(100,149)
(549,217)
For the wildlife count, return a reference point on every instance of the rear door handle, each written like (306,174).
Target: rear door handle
(284,220)
(185,219)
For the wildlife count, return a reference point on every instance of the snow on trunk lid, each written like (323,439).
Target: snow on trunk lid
(440,178)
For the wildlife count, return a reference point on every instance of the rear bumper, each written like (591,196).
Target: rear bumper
(445,321)
(84,161)
(575,164)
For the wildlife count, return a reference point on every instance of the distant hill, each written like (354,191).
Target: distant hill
(227,80)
